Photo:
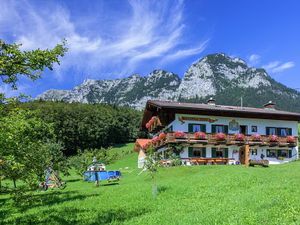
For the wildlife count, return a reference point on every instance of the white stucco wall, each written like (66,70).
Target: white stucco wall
(235,155)
(260,123)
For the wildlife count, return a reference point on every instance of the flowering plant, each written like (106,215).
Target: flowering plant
(290,139)
(162,136)
(239,137)
(179,134)
(148,125)
(220,136)
(200,135)
(256,137)
(155,140)
(273,138)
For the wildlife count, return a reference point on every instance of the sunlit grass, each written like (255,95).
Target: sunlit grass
(187,195)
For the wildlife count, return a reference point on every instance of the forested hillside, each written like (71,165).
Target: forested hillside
(88,126)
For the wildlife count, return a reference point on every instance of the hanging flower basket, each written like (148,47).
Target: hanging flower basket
(273,138)
(220,137)
(179,134)
(162,136)
(239,137)
(291,139)
(256,137)
(200,135)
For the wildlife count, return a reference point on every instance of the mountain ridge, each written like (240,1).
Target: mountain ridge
(215,75)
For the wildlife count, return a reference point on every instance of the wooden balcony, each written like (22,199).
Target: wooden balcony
(230,139)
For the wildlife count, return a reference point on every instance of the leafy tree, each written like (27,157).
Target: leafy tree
(85,126)
(151,165)
(15,62)
(26,147)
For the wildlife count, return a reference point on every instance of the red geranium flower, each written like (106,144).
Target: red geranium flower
(239,137)
(290,139)
(179,134)
(200,135)
(256,137)
(220,136)
(273,138)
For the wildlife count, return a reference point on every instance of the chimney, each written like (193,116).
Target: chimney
(211,101)
(270,105)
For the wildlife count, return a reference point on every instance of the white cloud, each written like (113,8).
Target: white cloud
(254,59)
(152,30)
(277,66)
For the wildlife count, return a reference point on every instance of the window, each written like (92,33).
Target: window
(253,151)
(275,153)
(197,152)
(271,153)
(271,131)
(219,152)
(254,129)
(280,131)
(283,153)
(219,129)
(197,127)
(284,131)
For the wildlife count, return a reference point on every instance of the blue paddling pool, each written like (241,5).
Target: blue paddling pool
(110,176)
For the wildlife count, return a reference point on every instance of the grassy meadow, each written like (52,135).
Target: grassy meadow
(187,195)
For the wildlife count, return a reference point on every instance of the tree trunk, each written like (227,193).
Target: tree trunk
(15,184)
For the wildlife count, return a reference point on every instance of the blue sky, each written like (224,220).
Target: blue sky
(115,38)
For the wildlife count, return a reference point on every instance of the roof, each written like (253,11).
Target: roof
(155,106)
(141,143)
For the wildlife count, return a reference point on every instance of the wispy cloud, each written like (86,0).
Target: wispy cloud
(254,59)
(277,66)
(151,30)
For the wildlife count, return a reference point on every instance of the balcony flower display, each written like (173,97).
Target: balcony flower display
(155,140)
(256,137)
(200,135)
(220,137)
(162,136)
(239,137)
(290,139)
(146,146)
(179,134)
(273,138)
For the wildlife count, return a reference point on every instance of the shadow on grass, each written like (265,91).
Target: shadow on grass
(68,216)
(73,180)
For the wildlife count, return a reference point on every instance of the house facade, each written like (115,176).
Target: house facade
(218,134)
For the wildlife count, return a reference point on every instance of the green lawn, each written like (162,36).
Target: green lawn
(188,195)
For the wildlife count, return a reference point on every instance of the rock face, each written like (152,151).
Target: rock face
(217,75)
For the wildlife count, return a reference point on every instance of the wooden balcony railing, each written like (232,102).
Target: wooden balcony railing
(230,139)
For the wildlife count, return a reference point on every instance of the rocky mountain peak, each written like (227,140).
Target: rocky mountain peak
(219,75)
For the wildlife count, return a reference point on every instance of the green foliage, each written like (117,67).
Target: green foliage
(85,126)
(27,148)
(15,62)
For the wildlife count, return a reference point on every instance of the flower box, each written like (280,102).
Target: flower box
(273,138)
(291,139)
(179,134)
(239,137)
(256,137)
(220,137)
(200,136)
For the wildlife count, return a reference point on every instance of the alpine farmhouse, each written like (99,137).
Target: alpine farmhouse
(218,134)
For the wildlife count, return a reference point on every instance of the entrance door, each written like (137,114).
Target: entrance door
(244,129)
